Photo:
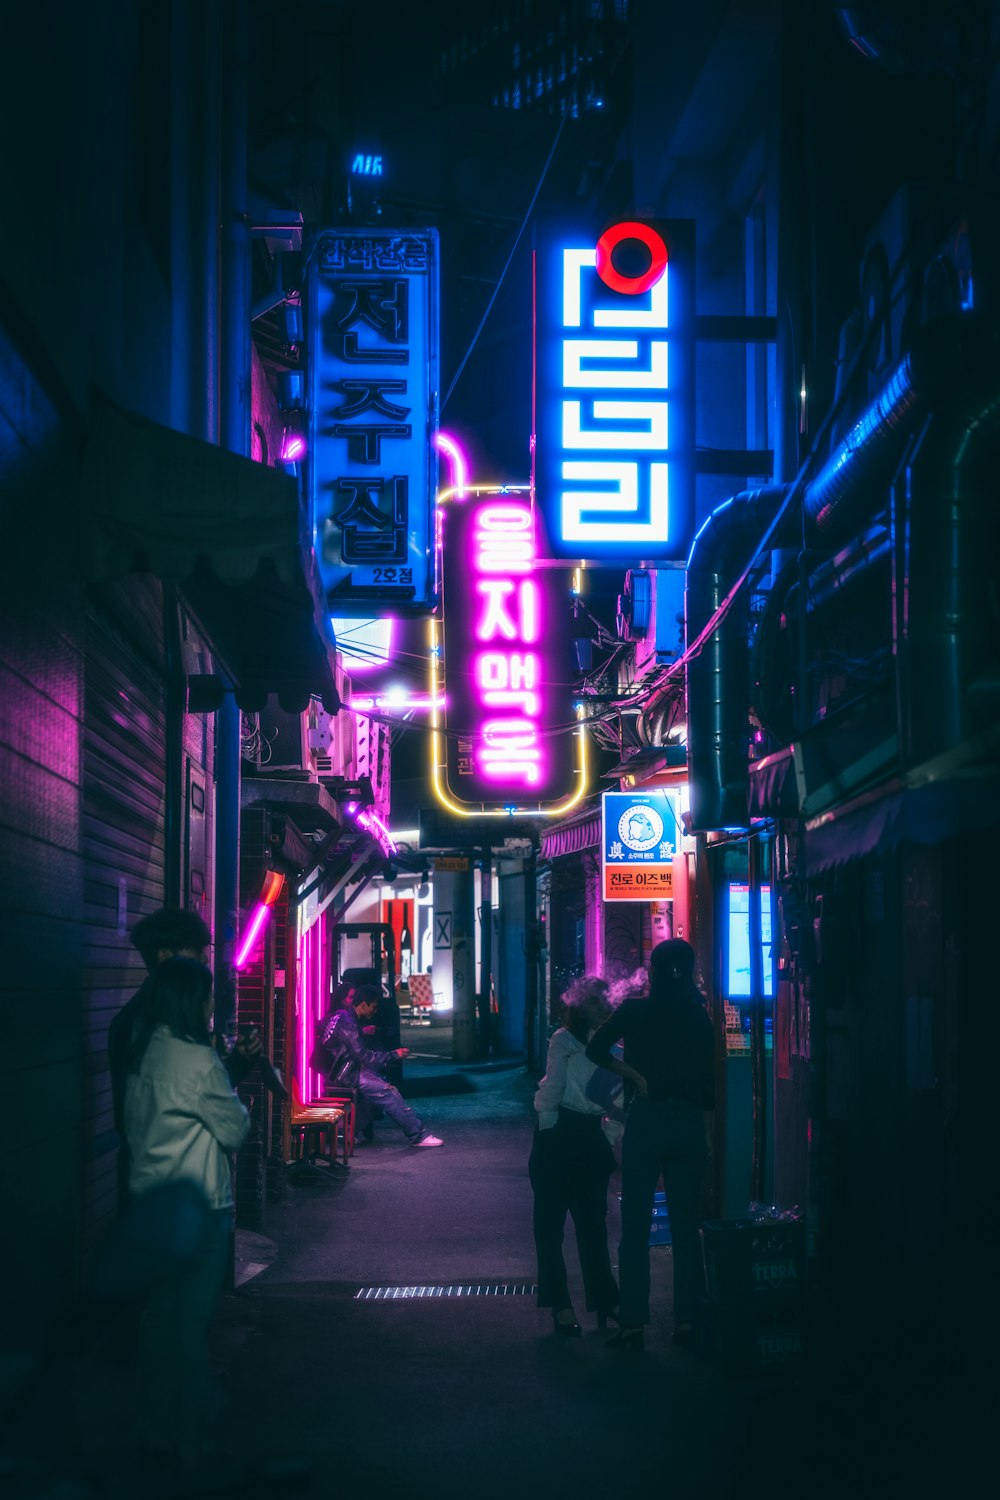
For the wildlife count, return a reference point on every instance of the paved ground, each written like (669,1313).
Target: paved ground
(433,1397)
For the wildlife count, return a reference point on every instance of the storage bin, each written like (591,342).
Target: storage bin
(751,1262)
(750,1340)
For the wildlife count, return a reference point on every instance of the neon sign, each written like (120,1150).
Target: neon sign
(373,381)
(614,389)
(505,737)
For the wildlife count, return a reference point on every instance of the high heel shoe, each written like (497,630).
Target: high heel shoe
(627,1339)
(565,1330)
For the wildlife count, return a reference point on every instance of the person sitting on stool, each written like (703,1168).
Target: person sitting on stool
(355,1065)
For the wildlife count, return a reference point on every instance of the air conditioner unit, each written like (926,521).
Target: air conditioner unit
(331,742)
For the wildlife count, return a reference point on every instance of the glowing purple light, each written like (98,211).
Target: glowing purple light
(305,1040)
(373,824)
(293,446)
(253,932)
(457,462)
(386,702)
(508,617)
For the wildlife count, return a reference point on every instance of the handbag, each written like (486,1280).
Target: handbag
(606,1089)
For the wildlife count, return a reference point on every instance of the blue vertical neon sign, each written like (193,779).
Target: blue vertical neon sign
(614,387)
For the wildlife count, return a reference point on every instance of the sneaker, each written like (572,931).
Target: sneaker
(428,1140)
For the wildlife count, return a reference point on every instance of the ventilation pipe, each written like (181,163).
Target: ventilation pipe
(717,729)
(949,648)
(840,501)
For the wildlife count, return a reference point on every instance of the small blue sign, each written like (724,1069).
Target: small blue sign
(639,828)
(364,164)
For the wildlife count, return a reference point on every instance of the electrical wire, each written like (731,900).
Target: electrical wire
(510,257)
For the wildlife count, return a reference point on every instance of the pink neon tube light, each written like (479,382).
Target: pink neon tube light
(253,931)
(273,883)
(457,464)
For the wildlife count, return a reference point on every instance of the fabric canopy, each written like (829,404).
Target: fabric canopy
(772,786)
(926,814)
(572,835)
(231,532)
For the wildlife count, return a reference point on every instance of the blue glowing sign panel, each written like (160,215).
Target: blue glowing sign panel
(640,835)
(364,164)
(738,942)
(373,385)
(614,387)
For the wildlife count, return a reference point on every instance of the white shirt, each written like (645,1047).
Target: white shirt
(567,1074)
(182,1119)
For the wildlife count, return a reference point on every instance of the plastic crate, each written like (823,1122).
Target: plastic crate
(751,1263)
(750,1341)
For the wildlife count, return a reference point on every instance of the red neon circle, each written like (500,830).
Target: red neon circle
(632,286)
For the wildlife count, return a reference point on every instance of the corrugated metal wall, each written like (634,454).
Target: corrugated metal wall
(41,870)
(122,842)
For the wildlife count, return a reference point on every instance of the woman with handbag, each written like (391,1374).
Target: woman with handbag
(182,1121)
(571,1162)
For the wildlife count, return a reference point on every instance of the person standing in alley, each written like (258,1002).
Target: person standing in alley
(182,1121)
(571,1162)
(669,1065)
(350,1062)
(171,932)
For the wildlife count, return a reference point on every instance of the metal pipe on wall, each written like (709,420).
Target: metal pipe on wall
(235,387)
(953,353)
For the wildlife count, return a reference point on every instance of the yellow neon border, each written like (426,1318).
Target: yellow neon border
(438,753)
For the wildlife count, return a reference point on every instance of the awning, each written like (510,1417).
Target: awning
(572,835)
(231,532)
(773,790)
(650,760)
(881,820)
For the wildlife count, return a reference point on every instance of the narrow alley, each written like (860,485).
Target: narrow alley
(448,1381)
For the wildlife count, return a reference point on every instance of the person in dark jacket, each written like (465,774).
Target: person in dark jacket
(669,1064)
(356,1065)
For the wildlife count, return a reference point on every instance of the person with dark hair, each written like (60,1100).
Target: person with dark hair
(182,1120)
(171,932)
(570,1164)
(669,1065)
(350,1062)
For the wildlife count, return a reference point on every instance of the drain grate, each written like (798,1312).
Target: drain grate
(445,1289)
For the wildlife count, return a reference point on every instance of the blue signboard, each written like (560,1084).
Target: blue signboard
(640,835)
(614,386)
(373,388)
(737,937)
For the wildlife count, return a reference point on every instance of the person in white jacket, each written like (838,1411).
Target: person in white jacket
(571,1162)
(182,1120)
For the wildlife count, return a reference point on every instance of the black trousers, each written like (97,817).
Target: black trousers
(569,1170)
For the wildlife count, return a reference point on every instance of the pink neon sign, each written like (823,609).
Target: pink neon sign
(508,712)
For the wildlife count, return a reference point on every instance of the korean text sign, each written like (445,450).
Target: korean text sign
(506,736)
(639,839)
(614,387)
(373,386)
